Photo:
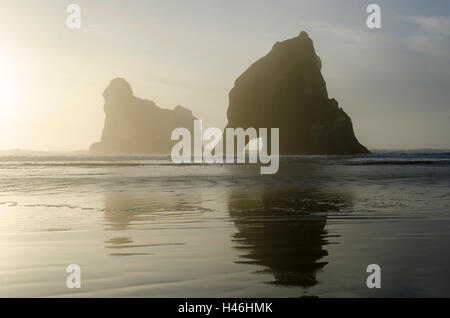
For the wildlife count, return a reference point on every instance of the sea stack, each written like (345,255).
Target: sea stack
(137,126)
(285,89)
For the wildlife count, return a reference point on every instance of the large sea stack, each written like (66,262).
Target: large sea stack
(285,89)
(137,126)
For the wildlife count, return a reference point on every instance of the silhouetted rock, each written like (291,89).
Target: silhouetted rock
(137,126)
(285,89)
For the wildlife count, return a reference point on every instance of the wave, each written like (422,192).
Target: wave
(84,160)
(397,162)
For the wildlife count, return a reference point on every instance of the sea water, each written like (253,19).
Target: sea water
(144,227)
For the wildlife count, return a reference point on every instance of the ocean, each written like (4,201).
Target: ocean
(141,226)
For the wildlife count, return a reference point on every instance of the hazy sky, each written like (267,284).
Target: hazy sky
(394,82)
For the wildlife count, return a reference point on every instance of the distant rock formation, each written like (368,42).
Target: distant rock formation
(137,126)
(285,89)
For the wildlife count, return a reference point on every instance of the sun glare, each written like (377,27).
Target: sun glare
(8,94)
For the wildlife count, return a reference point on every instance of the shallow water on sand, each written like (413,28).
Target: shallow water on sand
(143,227)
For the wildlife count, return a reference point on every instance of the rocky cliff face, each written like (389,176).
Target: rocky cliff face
(285,89)
(137,126)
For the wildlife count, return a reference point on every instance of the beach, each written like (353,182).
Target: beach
(142,226)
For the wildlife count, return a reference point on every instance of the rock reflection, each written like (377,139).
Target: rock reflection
(284,231)
(131,212)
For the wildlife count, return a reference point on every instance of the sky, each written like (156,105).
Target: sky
(394,82)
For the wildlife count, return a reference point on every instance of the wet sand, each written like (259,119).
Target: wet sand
(143,227)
